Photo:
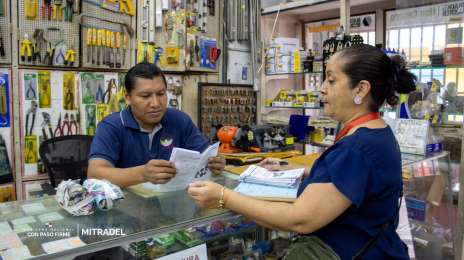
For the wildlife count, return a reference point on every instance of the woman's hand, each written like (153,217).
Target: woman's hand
(216,164)
(272,164)
(205,193)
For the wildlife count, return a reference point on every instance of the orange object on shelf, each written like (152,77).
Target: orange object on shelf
(225,135)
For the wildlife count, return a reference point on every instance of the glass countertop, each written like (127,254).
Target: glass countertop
(136,217)
(409,159)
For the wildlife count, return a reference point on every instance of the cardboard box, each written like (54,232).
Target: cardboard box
(454,56)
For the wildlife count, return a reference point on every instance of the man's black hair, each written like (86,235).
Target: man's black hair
(142,70)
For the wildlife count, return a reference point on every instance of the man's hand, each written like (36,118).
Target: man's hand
(272,164)
(159,171)
(216,164)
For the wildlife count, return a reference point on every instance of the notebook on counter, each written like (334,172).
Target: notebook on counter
(263,184)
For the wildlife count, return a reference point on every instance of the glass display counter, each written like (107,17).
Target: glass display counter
(431,205)
(48,232)
(134,223)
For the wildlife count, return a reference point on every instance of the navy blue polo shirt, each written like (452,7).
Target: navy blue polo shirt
(366,168)
(122,142)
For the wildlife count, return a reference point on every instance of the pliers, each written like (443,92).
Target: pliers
(32,110)
(99,97)
(46,122)
(30,92)
(47,9)
(68,11)
(69,98)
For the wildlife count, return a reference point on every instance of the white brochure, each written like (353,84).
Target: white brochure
(190,165)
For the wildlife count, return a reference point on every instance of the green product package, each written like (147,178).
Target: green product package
(165,241)
(187,238)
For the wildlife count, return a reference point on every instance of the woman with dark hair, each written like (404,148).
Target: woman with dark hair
(350,198)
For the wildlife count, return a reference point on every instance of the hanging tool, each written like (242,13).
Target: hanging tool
(110,46)
(3,104)
(94,45)
(2,46)
(125,46)
(31,92)
(214,54)
(197,48)
(158,14)
(191,52)
(26,49)
(39,42)
(88,96)
(113,56)
(67,126)
(46,9)
(126,6)
(48,59)
(68,102)
(99,42)
(110,89)
(90,119)
(60,53)
(151,21)
(57,10)
(30,9)
(118,50)
(70,56)
(46,122)
(145,20)
(99,97)
(31,112)
(89,44)
(2,13)
(103,44)
(69,11)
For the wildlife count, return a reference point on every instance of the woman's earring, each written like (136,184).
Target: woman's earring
(358,100)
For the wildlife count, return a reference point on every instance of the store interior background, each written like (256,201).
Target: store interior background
(242,61)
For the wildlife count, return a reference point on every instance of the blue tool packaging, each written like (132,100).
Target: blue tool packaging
(4,100)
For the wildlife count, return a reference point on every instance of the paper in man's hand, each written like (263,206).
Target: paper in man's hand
(190,165)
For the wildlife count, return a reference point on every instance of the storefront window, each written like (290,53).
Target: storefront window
(416,38)
(427,43)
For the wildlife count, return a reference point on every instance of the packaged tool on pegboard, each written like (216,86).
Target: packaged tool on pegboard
(101,95)
(174,86)
(162,31)
(202,50)
(225,104)
(49,32)
(107,33)
(49,104)
(148,52)
(5,118)
(6,132)
(5,32)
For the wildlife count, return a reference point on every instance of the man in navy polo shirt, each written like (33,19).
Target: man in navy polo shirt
(134,145)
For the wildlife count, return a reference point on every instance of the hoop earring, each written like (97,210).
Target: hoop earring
(357,100)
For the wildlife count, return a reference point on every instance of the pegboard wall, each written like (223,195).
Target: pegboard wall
(56,33)
(172,34)
(204,36)
(106,20)
(49,108)
(5,32)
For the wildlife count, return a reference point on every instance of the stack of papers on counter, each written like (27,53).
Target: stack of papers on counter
(270,185)
(260,175)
